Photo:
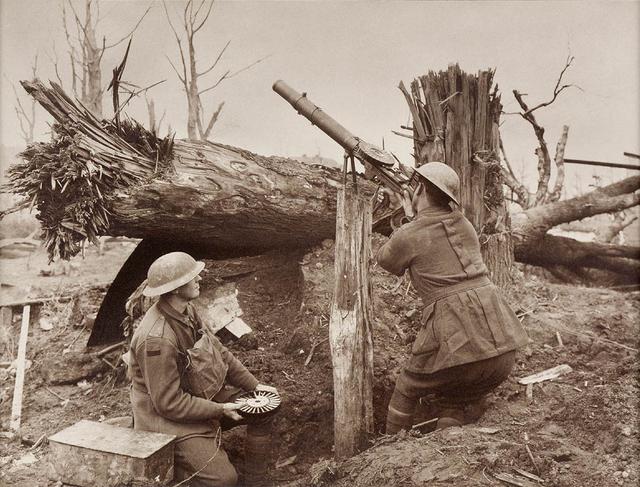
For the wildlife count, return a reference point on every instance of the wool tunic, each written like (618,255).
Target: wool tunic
(465,319)
(161,396)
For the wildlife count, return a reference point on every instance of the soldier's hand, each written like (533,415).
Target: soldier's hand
(229,410)
(407,202)
(266,388)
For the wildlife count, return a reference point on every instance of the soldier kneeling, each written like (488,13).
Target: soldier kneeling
(184,381)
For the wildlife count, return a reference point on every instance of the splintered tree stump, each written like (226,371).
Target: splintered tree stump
(456,119)
(350,326)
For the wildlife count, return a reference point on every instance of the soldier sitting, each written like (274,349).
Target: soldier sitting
(184,381)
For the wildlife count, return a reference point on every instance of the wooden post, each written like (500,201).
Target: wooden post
(16,406)
(350,326)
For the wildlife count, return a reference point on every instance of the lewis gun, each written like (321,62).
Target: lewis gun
(379,164)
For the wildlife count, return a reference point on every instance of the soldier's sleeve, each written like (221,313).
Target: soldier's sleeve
(395,255)
(158,359)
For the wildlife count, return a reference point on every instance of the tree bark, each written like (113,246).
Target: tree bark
(350,332)
(551,250)
(227,197)
(456,120)
(219,197)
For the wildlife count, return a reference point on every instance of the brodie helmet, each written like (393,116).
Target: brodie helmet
(442,177)
(171,271)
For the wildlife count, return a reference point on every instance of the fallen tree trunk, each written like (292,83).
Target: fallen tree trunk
(220,198)
(225,197)
(95,179)
(552,250)
(534,246)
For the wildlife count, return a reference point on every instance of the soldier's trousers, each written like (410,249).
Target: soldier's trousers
(451,392)
(203,459)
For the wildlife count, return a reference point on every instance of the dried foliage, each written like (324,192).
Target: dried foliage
(71,179)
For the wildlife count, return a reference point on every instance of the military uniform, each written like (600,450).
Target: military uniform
(162,398)
(466,344)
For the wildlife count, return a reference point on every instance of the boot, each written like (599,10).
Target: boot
(450,417)
(257,449)
(401,411)
(397,421)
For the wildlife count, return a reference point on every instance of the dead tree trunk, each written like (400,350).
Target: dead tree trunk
(91,180)
(455,121)
(534,246)
(228,197)
(350,326)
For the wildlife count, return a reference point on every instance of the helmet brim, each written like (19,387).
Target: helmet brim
(175,284)
(438,184)
(442,188)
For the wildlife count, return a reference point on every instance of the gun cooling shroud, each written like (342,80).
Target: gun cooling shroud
(377,162)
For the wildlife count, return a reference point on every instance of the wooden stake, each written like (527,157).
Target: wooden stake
(16,407)
(350,332)
(110,348)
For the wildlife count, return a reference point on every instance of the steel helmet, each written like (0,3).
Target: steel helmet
(171,271)
(442,177)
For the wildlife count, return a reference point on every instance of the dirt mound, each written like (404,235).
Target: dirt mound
(580,429)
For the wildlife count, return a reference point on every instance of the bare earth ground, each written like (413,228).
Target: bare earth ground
(579,430)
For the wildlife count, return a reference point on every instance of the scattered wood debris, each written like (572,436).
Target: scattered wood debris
(313,349)
(286,462)
(547,374)
(529,475)
(510,479)
(425,426)
(559,338)
(529,393)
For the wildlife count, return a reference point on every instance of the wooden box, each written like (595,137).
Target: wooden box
(91,454)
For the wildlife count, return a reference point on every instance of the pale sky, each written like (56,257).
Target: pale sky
(349,58)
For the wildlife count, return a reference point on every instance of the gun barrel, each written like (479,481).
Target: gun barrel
(316,116)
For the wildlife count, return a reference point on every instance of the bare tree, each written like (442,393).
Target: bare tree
(542,194)
(154,123)
(439,118)
(619,222)
(27,117)
(86,52)
(194,17)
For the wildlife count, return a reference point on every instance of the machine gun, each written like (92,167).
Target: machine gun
(377,162)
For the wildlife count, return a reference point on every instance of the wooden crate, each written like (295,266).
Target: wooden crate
(91,454)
